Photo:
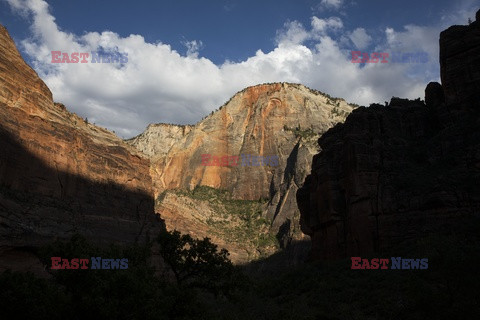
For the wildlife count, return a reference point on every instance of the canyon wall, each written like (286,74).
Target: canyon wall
(59,174)
(392,174)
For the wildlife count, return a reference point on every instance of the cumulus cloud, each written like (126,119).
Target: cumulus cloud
(158,84)
(193,47)
(331,4)
(360,38)
(292,33)
(323,25)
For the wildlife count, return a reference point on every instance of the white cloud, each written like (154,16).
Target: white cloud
(360,38)
(193,47)
(331,4)
(158,84)
(322,25)
(293,33)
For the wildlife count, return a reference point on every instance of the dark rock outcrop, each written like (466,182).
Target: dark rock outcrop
(459,65)
(434,96)
(392,174)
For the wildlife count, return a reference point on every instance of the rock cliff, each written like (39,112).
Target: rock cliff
(391,174)
(459,64)
(279,119)
(60,174)
(168,134)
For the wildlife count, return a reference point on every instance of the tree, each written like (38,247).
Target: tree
(197,263)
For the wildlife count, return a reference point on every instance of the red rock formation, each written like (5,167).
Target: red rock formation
(59,174)
(391,174)
(252,122)
(278,119)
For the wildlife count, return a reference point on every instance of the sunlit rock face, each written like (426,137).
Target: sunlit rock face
(279,120)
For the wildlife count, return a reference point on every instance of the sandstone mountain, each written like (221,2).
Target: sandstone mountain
(391,174)
(279,119)
(59,174)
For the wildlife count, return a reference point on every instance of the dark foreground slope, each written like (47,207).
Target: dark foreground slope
(320,290)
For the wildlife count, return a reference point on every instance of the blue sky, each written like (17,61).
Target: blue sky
(188,57)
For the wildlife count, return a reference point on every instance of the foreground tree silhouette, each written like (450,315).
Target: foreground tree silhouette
(197,263)
(202,273)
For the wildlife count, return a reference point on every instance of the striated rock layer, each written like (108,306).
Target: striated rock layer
(59,174)
(391,174)
(279,119)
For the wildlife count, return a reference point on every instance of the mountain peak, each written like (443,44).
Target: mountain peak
(282,120)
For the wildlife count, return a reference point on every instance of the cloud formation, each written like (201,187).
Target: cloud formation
(193,47)
(158,84)
(360,38)
(334,4)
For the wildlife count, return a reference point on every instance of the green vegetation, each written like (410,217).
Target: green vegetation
(161,196)
(197,264)
(306,134)
(232,219)
(354,105)
(337,112)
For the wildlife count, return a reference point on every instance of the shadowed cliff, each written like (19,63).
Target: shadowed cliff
(59,174)
(391,174)
(39,204)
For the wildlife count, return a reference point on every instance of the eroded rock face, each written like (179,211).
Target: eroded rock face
(60,175)
(168,134)
(251,123)
(279,119)
(391,174)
